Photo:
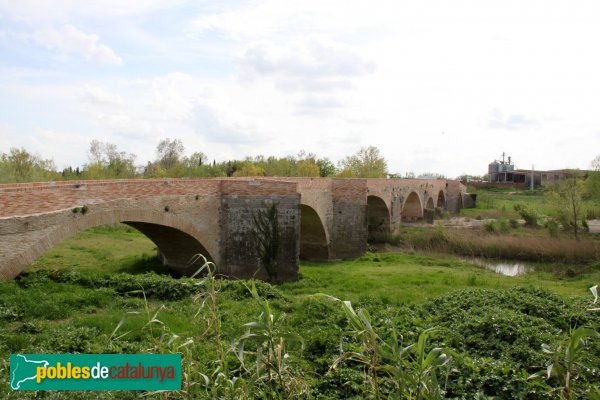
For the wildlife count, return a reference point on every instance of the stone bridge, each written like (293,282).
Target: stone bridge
(320,218)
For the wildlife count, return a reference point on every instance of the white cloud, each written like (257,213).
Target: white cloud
(304,58)
(116,115)
(314,75)
(498,120)
(99,96)
(71,40)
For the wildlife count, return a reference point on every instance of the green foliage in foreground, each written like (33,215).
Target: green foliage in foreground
(75,298)
(476,341)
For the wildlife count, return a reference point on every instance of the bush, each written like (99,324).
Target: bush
(552,227)
(503,225)
(530,216)
(490,226)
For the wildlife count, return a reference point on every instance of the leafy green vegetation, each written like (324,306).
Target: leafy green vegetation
(105,161)
(414,326)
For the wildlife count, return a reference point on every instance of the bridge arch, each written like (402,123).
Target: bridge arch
(378,216)
(412,209)
(177,239)
(441,200)
(429,205)
(313,237)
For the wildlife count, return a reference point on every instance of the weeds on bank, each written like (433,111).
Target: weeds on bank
(567,357)
(527,248)
(411,371)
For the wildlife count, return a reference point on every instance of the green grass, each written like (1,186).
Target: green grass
(397,278)
(408,279)
(110,248)
(500,202)
(76,308)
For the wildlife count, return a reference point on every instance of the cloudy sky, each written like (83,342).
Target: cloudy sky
(439,86)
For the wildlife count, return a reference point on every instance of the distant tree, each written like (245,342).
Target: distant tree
(197,159)
(567,202)
(366,163)
(469,178)
(409,175)
(592,182)
(22,163)
(107,162)
(326,167)
(432,175)
(274,166)
(169,153)
(249,169)
(596,163)
(21,166)
(308,168)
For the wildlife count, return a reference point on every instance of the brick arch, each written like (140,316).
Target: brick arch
(170,233)
(314,241)
(378,215)
(429,205)
(441,200)
(412,208)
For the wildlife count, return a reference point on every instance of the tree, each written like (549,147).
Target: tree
(249,169)
(22,163)
(21,166)
(308,168)
(592,182)
(169,152)
(567,201)
(326,167)
(107,162)
(197,159)
(366,163)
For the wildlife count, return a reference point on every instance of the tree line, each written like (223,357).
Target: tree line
(106,161)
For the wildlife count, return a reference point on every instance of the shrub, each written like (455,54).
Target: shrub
(503,225)
(584,225)
(530,216)
(490,226)
(552,227)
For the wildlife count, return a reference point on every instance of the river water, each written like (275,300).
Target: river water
(504,267)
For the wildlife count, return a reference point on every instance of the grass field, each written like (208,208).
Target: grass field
(496,324)
(499,203)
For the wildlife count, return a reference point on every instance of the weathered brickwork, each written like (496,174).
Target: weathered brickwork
(320,218)
(240,257)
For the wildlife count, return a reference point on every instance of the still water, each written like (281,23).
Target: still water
(504,267)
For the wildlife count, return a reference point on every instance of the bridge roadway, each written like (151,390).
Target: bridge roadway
(319,218)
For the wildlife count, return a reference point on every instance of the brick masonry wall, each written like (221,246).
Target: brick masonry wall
(239,245)
(348,234)
(41,198)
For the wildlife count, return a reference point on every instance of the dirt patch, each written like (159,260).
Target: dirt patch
(594,225)
(454,222)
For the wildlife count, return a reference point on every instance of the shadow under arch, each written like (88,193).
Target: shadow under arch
(412,210)
(378,216)
(429,204)
(170,233)
(313,238)
(441,200)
